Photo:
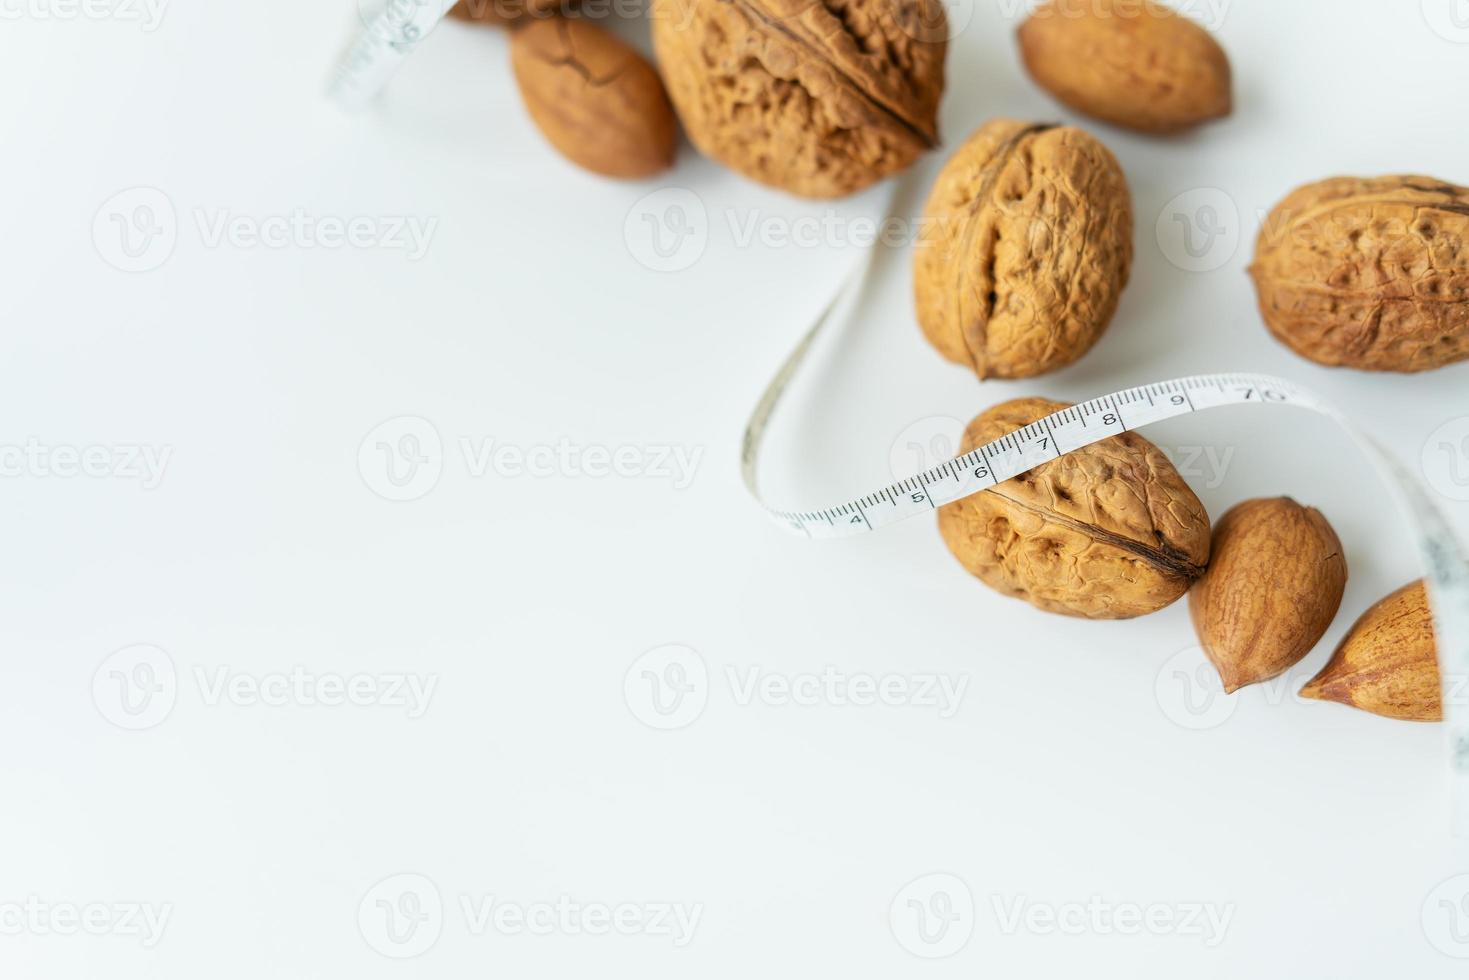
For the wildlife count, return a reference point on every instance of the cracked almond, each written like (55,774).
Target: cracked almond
(593,97)
(1388,662)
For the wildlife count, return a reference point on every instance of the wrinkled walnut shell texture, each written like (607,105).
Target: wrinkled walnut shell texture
(1026,247)
(1110,531)
(820,98)
(1388,662)
(1275,581)
(1134,64)
(593,97)
(1368,273)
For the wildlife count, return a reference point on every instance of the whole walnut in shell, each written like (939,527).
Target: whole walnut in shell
(820,98)
(1133,63)
(1369,273)
(1275,581)
(594,97)
(1388,662)
(1026,246)
(1110,531)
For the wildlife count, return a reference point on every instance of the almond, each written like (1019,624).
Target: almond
(1133,63)
(595,98)
(1274,583)
(1388,663)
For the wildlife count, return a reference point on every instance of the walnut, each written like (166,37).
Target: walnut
(1275,581)
(1026,245)
(1369,273)
(820,98)
(595,99)
(1110,531)
(1133,63)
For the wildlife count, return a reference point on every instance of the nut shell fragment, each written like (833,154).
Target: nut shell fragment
(1388,662)
(1275,581)
(1110,531)
(1368,273)
(1025,249)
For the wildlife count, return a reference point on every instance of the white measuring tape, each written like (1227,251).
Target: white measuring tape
(1066,431)
(387,38)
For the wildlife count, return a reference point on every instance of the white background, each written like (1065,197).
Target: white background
(1084,764)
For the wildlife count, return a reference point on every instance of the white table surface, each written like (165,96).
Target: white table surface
(220,400)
